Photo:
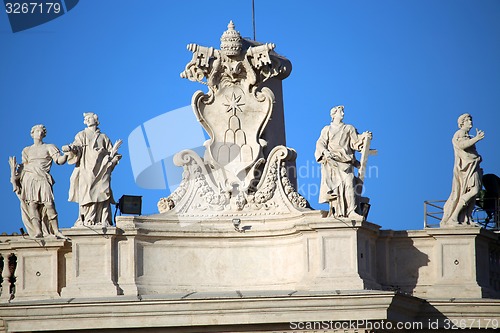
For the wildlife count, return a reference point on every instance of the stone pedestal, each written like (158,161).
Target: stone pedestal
(341,255)
(160,257)
(40,269)
(462,264)
(303,251)
(93,268)
(128,262)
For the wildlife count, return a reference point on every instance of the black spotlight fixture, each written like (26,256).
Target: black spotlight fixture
(130,204)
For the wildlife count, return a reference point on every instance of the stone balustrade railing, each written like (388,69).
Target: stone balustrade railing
(8,263)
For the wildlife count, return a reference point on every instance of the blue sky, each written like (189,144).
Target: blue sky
(404,69)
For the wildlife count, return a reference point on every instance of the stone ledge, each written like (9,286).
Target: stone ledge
(203,309)
(237,311)
(478,313)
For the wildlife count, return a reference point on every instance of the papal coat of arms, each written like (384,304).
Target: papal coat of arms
(234,174)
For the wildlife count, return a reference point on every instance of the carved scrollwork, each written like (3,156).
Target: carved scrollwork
(199,66)
(196,188)
(274,176)
(238,62)
(266,192)
(293,196)
(168,203)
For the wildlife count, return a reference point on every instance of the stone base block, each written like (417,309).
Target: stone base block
(40,269)
(93,266)
(308,252)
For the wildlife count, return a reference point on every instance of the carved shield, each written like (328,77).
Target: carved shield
(235,120)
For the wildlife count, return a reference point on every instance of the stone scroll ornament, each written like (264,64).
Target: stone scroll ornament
(32,182)
(234,174)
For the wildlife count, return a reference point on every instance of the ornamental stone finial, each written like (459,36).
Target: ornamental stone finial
(231,41)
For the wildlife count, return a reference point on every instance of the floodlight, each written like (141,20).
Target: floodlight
(130,204)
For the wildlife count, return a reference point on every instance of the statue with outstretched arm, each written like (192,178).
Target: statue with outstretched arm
(32,182)
(467,175)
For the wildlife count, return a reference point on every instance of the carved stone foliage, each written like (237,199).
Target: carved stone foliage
(198,193)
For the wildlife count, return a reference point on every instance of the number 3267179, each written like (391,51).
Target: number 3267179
(33,8)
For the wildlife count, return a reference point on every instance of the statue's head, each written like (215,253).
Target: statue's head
(230,41)
(463,118)
(40,127)
(335,110)
(90,118)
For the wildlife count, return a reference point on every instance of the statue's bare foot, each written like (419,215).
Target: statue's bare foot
(59,235)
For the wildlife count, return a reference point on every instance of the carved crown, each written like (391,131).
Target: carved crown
(230,41)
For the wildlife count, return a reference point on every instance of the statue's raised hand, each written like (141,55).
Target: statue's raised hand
(479,134)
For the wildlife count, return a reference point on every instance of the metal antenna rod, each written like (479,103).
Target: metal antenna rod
(253,18)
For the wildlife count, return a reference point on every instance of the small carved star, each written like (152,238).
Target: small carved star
(233,103)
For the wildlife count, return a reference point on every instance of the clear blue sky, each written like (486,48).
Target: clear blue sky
(404,69)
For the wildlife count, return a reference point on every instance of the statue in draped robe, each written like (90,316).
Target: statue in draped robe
(32,182)
(90,185)
(467,175)
(335,150)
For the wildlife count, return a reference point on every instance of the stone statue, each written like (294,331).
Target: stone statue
(335,150)
(467,175)
(239,170)
(90,185)
(33,183)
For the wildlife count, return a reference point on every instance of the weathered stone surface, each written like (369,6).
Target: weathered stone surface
(467,175)
(32,183)
(95,158)
(244,165)
(335,150)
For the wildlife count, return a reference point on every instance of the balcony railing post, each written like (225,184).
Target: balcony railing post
(7,290)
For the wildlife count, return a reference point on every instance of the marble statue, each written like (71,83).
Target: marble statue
(467,174)
(335,150)
(94,158)
(239,171)
(33,183)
